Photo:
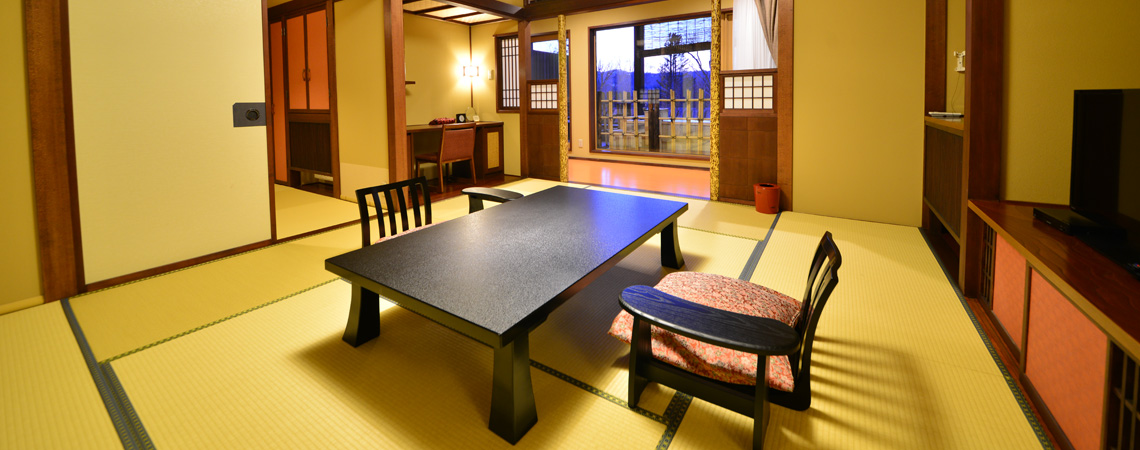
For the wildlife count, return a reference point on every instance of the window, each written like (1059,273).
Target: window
(651,87)
(543,71)
(507,56)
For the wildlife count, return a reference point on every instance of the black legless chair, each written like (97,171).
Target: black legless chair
(456,144)
(395,204)
(765,323)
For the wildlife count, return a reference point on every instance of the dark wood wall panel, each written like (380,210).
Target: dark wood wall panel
(942,177)
(542,146)
(310,147)
(748,155)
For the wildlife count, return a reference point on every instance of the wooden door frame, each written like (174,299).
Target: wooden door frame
(282,13)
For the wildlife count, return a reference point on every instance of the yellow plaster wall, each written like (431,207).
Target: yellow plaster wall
(483,54)
(436,52)
(163,174)
(955,42)
(19,263)
(1054,47)
(858,124)
(362,97)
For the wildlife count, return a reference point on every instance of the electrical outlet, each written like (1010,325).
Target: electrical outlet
(579,143)
(960,56)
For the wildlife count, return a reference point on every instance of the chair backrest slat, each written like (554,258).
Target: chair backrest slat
(822,279)
(395,203)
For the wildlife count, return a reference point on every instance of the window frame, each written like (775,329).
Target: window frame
(592,32)
(540,37)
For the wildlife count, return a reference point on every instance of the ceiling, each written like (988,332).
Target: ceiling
(449,13)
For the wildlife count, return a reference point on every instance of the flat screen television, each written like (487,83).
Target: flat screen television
(1105,182)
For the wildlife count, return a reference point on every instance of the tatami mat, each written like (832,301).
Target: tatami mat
(300,211)
(47,396)
(250,355)
(897,362)
(574,341)
(280,377)
(718,217)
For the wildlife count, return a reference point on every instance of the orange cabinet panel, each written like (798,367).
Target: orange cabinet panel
(318,60)
(1065,362)
(277,80)
(1009,289)
(295,43)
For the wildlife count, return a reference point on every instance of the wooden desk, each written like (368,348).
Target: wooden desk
(488,135)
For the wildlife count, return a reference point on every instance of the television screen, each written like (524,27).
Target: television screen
(1105,184)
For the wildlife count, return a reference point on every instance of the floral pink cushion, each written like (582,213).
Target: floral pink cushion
(709,360)
(402,232)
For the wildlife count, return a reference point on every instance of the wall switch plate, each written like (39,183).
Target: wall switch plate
(961,66)
(249,114)
(579,143)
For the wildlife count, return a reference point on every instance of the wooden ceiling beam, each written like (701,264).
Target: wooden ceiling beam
(492,7)
(553,8)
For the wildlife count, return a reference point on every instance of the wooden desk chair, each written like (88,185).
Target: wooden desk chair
(456,144)
(712,335)
(417,195)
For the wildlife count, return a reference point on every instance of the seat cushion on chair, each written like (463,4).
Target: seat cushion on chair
(718,363)
(402,232)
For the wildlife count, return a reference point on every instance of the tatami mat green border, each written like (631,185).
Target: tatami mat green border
(231,316)
(109,390)
(1022,402)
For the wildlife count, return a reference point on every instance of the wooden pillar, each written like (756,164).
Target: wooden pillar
(399,162)
(53,148)
(981,145)
(524,96)
(714,80)
(334,117)
(563,113)
(784,83)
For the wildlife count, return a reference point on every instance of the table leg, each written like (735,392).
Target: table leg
(363,316)
(671,256)
(512,397)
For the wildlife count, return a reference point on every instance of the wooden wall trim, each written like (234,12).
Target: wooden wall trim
(935,56)
(784,87)
(981,144)
(272,154)
(399,165)
(53,148)
(178,265)
(524,96)
(334,128)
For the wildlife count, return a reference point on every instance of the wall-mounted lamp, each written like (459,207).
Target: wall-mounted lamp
(471,71)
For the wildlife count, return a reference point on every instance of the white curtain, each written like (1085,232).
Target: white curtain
(749,46)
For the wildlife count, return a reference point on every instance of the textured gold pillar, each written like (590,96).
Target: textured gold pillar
(563,113)
(714,118)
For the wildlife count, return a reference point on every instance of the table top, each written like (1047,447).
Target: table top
(497,273)
(418,128)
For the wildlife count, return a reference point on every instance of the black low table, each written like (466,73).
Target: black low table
(495,275)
